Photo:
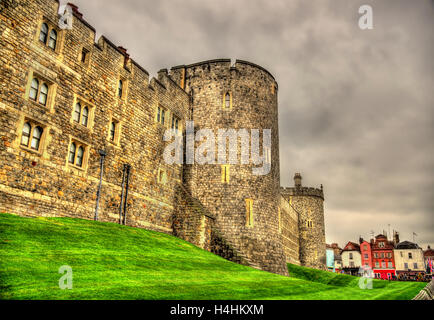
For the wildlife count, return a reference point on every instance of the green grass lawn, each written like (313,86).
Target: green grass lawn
(110,261)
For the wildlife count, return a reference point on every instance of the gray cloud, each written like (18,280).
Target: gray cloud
(356,107)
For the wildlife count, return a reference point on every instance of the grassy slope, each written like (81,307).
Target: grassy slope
(116,262)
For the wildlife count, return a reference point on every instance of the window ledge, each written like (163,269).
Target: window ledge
(30,150)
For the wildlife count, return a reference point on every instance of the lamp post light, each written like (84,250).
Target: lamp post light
(103,154)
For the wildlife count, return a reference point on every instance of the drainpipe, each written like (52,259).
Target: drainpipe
(103,154)
(123,193)
(126,194)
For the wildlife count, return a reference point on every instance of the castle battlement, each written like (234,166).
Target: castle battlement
(303,191)
(178,73)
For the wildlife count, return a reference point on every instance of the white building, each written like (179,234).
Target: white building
(409,259)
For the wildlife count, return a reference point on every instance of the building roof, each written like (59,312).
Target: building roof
(407,245)
(429,252)
(351,246)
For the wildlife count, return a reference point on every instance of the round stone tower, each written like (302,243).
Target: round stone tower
(240,96)
(309,204)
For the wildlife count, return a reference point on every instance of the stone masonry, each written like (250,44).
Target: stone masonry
(64,98)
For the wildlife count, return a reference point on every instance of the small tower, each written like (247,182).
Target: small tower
(309,204)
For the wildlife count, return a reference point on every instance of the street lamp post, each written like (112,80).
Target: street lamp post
(103,154)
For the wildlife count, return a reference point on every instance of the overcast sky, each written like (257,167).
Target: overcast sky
(356,107)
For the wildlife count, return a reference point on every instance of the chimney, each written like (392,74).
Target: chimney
(361,240)
(297,180)
(75,10)
(396,237)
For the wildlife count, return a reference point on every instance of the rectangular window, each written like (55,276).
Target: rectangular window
(351,264)
(226,173)
(382,255)
(249,212)
(415,265)
(161,115)
(410,255)
(84,56)
(390,265)
(406,265)
(366,256)
(351,255)
(383,264)
(377,264)
(162,176)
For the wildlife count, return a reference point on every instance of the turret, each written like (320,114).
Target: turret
(309,204)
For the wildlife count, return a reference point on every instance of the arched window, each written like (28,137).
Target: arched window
(120,88)
(112,131)
(227,100)
(85,116)
(53,39)
(34,89)
(77,112)
(44,33)
(25,137)
(36,140)
(80,155)
(72,151)
(43,94)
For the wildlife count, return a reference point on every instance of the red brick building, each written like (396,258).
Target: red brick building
(383,260)
(366,252)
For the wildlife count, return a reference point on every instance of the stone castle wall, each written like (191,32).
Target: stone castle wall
(308,203)
(43,182)
(253,94)
(189,201)
(289,231)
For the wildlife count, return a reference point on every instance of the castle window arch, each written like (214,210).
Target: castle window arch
(85,116)
(77,154)
(32,135)
(52,43)
(34,88)
(43,94)
(39,90)
(50,36)
(43,35)
(82,113)
(227,100)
